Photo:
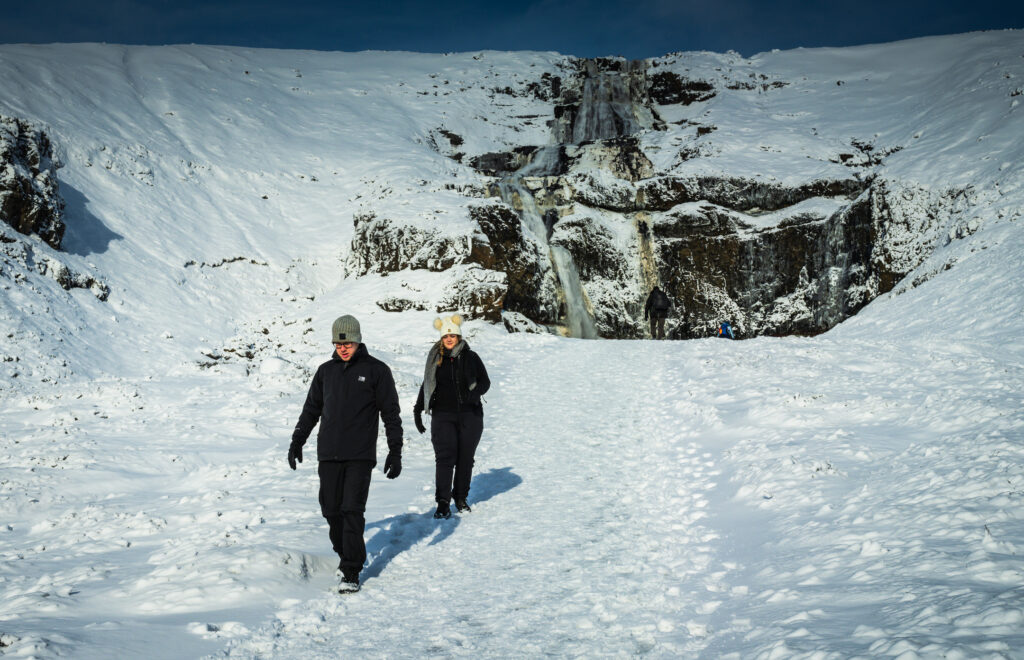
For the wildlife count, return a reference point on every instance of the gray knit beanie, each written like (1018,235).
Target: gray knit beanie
(346,328)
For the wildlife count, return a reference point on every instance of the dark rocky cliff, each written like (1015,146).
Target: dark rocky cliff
(30,200)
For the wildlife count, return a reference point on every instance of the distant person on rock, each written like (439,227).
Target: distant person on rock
(348,394)
(656,308)
(453,382)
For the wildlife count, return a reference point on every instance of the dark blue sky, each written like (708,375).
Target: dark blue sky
(635,29)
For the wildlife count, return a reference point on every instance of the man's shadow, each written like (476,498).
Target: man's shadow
(399,533)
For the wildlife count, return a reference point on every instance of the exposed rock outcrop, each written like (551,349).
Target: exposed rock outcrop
(492,268)
(382,245)
(802,276)
(31,205)
(621,157)
(775,281)
(909,222)
(30,200)
(668,88)
(20,259)
(531,289)
(502,162)
(748,195)
(805,272)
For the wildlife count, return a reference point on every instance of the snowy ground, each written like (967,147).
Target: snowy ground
(856,494)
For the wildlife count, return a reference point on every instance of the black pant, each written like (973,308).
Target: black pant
(455,437)
(657,326)
(344,486)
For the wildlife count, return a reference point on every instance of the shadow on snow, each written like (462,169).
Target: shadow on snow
(400,533)
(85,234)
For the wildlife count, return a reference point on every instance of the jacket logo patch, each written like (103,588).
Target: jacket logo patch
(362,379)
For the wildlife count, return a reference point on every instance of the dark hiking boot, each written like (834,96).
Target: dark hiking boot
(461,505)
(349,584)
(444,510)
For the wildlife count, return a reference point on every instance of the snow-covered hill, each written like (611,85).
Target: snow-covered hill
(853,494)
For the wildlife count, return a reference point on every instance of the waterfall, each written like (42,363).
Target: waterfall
(581,323)
(544,162)
(606,110)
(578,318)
(608,107)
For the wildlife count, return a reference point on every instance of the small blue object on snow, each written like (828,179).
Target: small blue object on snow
(725,331)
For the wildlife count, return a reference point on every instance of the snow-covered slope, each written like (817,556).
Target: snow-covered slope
(179,158)
(854,494)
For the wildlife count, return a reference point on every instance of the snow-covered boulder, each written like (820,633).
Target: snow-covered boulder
(478,292)
(384,245)
(516,322)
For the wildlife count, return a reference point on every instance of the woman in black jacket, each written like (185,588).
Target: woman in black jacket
(453,382)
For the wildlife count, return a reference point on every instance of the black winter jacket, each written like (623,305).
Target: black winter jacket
(658,304)
(454,375)
(347,398)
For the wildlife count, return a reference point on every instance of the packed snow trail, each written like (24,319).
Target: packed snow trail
(586,531)
(835,496)
(771,498)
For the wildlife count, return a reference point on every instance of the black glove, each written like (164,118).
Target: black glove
(418,416)
(393,465)
(294,454)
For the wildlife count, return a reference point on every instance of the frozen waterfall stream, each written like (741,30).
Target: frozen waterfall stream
(607,109)
(578,318)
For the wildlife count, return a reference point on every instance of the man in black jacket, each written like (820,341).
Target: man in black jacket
(348,394)
(657,307)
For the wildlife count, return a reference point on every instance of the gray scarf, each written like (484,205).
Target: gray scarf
(430,373)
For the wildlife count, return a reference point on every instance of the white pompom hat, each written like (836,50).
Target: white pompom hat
(449,325)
